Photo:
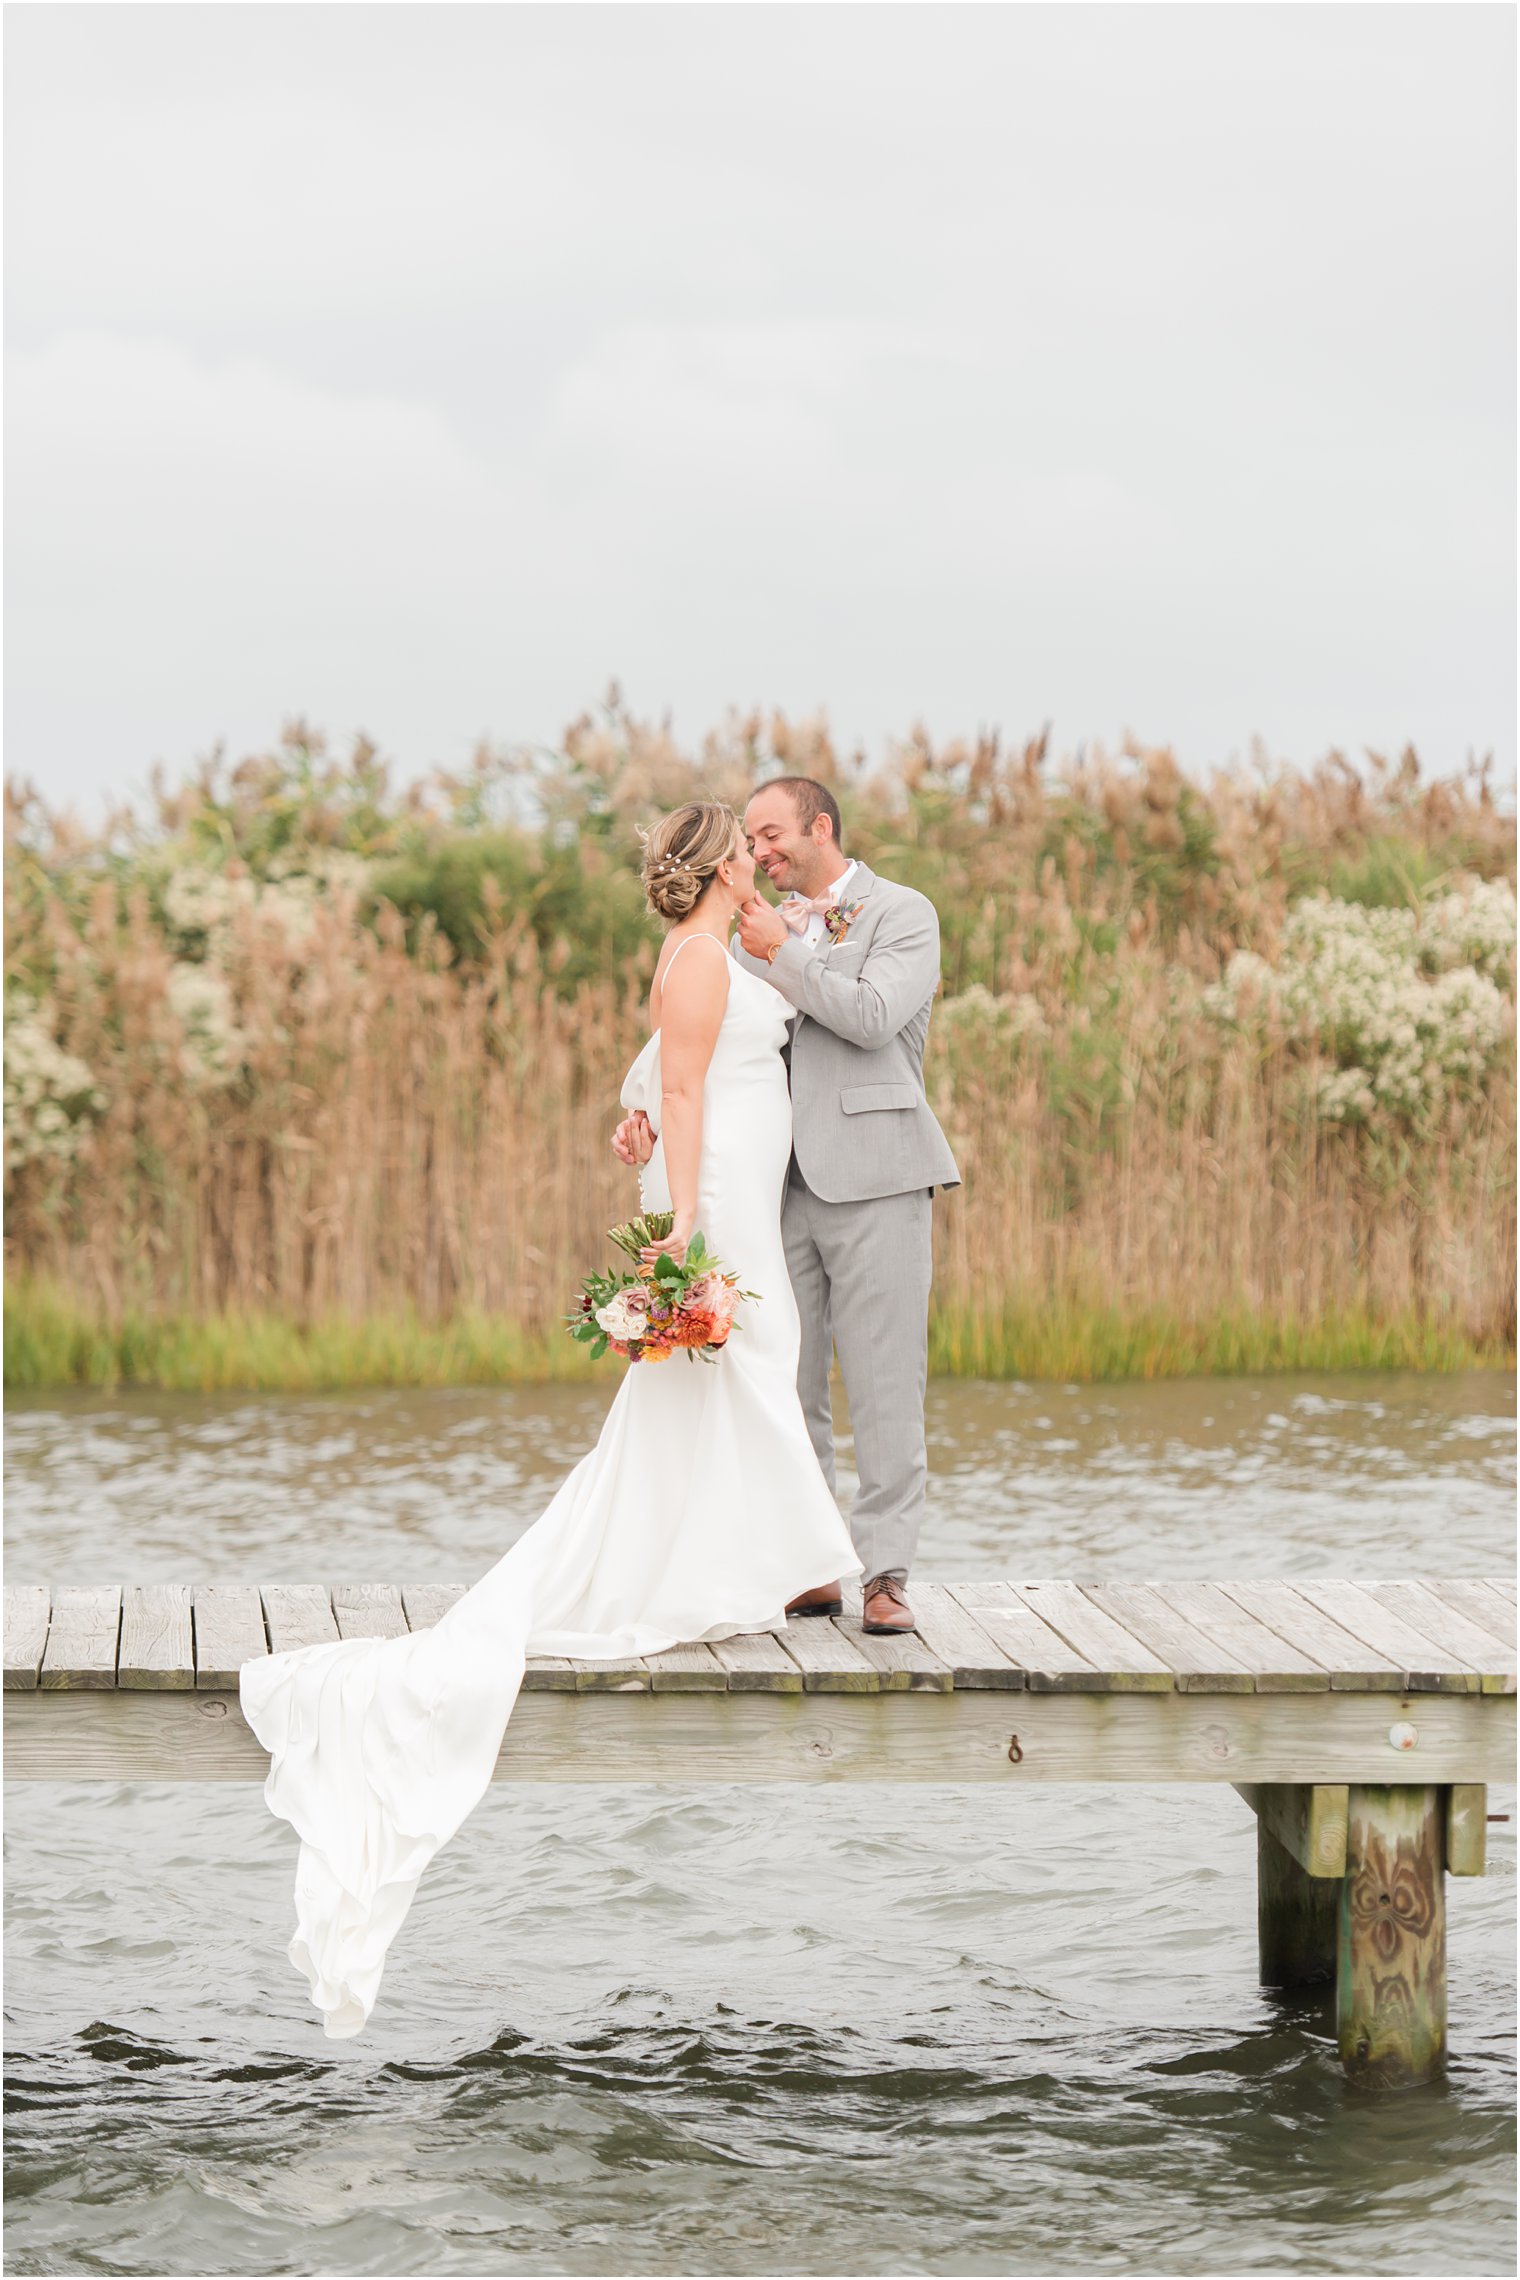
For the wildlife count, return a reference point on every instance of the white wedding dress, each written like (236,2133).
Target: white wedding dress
(699,1513)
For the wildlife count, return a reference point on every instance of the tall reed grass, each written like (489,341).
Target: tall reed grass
(314,1084)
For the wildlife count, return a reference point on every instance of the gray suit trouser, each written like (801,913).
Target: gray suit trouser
(860,1273)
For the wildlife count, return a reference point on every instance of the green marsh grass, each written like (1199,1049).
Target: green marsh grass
(51,1341)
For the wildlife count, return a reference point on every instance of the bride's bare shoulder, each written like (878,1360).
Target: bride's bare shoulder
(698,991)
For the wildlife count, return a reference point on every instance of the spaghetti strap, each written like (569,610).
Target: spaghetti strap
(675,954)
(680,946)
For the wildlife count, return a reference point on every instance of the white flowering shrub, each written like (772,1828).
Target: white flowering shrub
(202,908)
(1406,1002)
(200,902)
(1474,926)
(975,1013)
(51,1097)
(212,1048)
(201,905)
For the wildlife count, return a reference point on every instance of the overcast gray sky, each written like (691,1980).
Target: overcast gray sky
(420,368)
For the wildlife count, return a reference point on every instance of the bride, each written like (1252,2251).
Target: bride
(700,1511)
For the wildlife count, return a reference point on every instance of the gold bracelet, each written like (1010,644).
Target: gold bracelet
(773,952)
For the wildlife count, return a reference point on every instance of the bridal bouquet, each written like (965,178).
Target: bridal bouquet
(663,1308)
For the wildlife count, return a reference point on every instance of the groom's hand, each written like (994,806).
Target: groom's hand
(761,928)
(633,1141)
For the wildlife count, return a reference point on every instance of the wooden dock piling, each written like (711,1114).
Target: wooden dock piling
(1391,1960)
(1297,1918)
(1300,1865)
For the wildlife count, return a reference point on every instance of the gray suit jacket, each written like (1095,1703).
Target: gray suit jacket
(861,1121)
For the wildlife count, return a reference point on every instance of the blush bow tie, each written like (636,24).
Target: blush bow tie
(799,910)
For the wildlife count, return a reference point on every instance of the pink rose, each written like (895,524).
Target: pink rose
(712,1294)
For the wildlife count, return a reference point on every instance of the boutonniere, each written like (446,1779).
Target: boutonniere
(836,919)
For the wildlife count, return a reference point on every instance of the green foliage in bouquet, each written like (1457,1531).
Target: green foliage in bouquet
(636,1234)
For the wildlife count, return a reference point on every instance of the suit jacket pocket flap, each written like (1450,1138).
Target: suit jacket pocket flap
(856,1099)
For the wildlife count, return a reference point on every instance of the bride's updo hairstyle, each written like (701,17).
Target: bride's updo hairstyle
(682,854)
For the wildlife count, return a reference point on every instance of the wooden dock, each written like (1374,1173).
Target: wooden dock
(1361,1721)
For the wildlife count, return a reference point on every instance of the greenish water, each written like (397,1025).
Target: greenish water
(769,2031)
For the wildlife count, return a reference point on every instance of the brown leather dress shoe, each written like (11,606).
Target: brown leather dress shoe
(885,1606)
(823,1599)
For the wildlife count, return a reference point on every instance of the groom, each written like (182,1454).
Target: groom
(858,960)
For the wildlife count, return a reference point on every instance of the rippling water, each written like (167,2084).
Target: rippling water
(772,2030)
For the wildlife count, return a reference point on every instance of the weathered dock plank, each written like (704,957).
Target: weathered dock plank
(1276,1666)
(1048,1662)
(1483,1601)
(1125,1664)
(686,1670)
(1353,1667)
(757,1662)
(966,1648)
(424,1604)
(1453,1631)
(228,1623)
(1198,1663)
(549,1674)
(298,1615)
(627,1674)
(369,1611)
(26,1630)
(829,1662)
(157,1649)
(83,1632)
(1426,1666)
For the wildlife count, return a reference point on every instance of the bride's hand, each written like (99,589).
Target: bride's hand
(674,1244)
(633,1141)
